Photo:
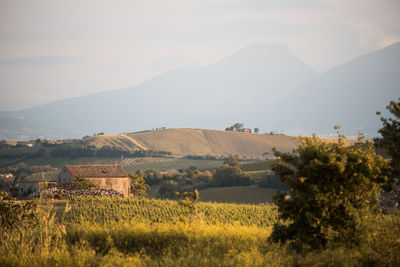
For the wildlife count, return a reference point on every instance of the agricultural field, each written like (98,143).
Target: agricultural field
(143,232)
(165,164)
(238,194)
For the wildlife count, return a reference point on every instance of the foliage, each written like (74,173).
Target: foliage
(138,185)
(15,214)
(189,201)
(269,180)
(236,127)
(80,182)
(332,189)
(84,150)
(230,174)
(257,166)
(390,132)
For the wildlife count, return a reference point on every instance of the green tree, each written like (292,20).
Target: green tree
(138,185)
(238,126)
(230,174)
(80,182)
(390,140)
(256,130)
(231,161)
(331,189)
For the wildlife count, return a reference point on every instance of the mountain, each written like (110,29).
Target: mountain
(262,85)
(21,128)
(348,95)
(240,87)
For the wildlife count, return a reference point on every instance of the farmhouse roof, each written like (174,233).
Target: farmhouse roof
(97,171)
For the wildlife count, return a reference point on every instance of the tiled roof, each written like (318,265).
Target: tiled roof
(49,176)
(99,171)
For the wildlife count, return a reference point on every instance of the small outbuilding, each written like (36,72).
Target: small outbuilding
(105,176)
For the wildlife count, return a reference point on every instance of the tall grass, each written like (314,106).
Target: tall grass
(125,232)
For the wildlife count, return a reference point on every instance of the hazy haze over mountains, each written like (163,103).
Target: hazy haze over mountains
(261,85)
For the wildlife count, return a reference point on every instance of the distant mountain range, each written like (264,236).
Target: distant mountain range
(261,85)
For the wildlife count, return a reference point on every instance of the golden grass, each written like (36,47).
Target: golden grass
(186,141)
(213,142)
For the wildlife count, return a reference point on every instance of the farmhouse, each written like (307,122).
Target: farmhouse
(105,176)
(33,187)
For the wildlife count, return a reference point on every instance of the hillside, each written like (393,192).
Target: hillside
(186,141)
(117,141)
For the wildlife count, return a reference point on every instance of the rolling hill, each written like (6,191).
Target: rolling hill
(185,141)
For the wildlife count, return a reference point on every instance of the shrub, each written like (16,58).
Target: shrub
(138,185)
(332,188)
(229,174)
(269,180)
(14,214)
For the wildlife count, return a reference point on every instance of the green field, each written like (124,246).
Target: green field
(238,194)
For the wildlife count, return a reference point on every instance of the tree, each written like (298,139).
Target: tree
(138,185)
(256,130)
(390,140)
(238,126)
(80,182)
(231,161)
(230,174)
(331,188)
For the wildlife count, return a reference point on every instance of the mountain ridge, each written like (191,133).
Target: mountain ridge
(271,89)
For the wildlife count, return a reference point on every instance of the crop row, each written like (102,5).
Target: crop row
(108,211)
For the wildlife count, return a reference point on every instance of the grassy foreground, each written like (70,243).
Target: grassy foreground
(129,232)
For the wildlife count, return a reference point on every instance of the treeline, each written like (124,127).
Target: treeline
(105,151)
(19,151)
(228,174)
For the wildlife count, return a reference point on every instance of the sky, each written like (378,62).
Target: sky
(52,49)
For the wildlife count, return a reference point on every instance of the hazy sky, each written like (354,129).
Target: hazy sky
(52,49)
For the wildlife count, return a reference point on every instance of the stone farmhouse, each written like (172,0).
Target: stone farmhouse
(105,176)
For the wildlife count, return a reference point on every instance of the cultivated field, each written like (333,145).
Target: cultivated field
(238,194)
(135,232)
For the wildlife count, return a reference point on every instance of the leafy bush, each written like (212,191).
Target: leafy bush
(138,185)
(390,140)
(229,174)
(332,189)
(269,180)
(82,183)
(15,214)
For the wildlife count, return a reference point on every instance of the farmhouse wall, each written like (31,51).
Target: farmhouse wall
(119,184)
(65,176)
(28,187)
